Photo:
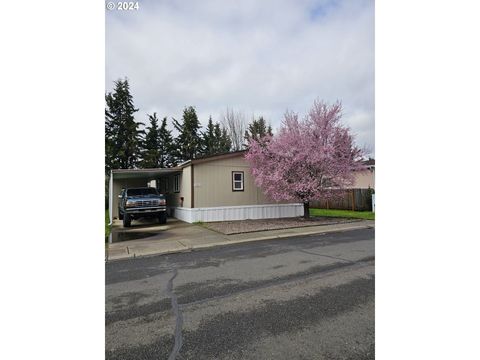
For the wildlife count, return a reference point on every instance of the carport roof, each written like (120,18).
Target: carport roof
(119,174)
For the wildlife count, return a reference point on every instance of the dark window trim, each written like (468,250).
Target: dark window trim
(175,189)
(233,180)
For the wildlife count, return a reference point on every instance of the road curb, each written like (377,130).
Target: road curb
(232,242)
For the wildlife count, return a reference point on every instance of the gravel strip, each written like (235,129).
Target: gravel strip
(245,226)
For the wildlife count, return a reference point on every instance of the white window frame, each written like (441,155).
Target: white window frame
(236,182)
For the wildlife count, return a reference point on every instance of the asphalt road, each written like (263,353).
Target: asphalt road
(307,297)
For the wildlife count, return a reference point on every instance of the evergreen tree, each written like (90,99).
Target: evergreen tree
(151,154)
(257,129)
(188,142)
(209,141)
(166,146)
(122,133)
(215,139)
(224,142)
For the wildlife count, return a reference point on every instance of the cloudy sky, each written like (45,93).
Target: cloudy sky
(259,57)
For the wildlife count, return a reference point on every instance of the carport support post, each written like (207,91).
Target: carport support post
(110,198)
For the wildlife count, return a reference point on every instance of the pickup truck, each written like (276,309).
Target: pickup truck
(135,203)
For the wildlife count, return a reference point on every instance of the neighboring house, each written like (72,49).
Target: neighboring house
(365,179)
(357,197)
(213,188)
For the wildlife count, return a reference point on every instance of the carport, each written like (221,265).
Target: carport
(124,178)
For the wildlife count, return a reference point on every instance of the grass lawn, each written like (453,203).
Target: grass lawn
(107,227)
(367,215)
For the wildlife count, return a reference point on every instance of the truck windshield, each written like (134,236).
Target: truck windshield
(142,192)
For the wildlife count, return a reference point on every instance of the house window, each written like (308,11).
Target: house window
(237,180)
(176,183)
(166,185)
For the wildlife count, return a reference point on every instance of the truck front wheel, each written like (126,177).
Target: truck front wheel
(127,221)
(162,218)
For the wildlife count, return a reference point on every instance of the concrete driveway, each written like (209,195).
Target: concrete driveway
(147,237)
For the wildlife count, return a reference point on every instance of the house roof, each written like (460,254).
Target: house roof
(218,156)
(369,162)
(143,173)
(156,172)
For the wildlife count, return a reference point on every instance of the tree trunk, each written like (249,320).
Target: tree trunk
(306,209)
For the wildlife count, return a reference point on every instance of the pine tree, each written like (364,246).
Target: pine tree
(166,146)
(209,141)
(257,129)
(224,142)
(151,154)
(215,140)
(122,133)
(188,142)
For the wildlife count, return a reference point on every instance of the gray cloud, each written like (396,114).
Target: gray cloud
(260,57)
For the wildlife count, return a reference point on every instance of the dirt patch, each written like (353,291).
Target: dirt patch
(245,226)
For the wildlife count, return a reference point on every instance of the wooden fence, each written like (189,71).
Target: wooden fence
(352,199)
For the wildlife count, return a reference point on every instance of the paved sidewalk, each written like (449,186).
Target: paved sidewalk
(178,236)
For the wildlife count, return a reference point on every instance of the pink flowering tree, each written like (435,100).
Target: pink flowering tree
(309,159)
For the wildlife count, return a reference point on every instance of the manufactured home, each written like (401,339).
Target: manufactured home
(213,188)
